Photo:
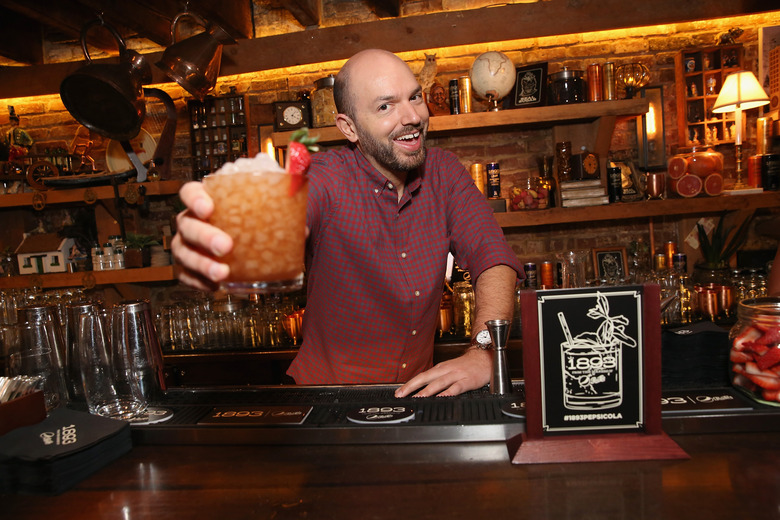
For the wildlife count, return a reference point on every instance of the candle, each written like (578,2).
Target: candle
(738,124)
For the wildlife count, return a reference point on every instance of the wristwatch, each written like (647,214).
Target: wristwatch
(482,340)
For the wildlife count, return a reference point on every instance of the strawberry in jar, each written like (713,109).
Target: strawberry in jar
(755,349)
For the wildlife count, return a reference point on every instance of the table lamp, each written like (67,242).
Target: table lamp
(741,91)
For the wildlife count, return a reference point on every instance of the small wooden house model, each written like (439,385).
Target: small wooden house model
(44,253)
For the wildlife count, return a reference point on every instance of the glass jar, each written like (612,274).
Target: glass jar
(567,86)
(532,193)
(698,160)
(755,349)
(323,106)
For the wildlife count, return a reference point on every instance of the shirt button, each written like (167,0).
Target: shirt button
(414,332)
(417,293)
(403,255)
(376,190)
(403,365)
(389,185)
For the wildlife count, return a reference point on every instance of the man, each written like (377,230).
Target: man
(383,213)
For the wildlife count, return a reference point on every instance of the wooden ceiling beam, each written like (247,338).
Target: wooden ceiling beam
(66,16)
(235,16)
(22,39)
(386,8)
(307,12)
(414,33)
(139,19)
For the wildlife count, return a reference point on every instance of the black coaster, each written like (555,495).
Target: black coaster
(514,409)
(381,415)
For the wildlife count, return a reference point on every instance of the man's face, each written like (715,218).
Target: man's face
(391,117)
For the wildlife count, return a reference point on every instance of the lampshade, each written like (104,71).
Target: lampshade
(740,90)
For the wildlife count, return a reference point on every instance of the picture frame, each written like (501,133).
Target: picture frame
(530,88)
(610,263)
(632,181)
(769,39)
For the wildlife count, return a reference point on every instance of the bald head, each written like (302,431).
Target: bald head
(360,67)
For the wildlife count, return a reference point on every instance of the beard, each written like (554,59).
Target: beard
(385,153)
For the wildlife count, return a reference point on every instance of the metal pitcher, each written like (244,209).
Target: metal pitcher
(108,98)
(194,62)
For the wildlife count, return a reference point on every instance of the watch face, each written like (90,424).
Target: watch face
(292,115)
(483,337)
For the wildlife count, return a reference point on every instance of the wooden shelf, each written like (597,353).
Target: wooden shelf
(536,116)
(71,195)
(643,209)
(89,279)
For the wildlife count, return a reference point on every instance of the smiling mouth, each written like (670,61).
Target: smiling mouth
(409,137)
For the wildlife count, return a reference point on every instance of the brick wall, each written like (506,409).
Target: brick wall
(51,126)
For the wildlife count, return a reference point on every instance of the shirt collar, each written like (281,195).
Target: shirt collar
(379,182)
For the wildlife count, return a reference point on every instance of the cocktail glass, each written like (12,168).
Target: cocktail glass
(253,204)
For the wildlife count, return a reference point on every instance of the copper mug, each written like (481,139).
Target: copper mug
(656,185)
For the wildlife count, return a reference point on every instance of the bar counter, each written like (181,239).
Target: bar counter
(728,476)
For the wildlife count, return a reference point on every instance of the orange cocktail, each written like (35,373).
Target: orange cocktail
(252,203)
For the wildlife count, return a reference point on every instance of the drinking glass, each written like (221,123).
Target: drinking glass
(73,363)
(135,338)
(572,268)
(110,386)
(37,357)
(254,205)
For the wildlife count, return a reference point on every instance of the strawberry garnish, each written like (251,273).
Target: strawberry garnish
(299,152)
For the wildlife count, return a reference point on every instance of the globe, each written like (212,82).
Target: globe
(492,76)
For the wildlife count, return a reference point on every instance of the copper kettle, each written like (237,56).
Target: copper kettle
(108,98)
(194,62)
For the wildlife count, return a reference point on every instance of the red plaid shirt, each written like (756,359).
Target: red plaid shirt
(376,265)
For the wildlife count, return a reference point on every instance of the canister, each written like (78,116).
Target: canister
(454,97)
(547,275)
(323,106)
(493,180)
(608,73)
(754,171)
(615,185)
(763,135)
(770,171)
(567,86)
(479,175)
(464,94)
(595,83)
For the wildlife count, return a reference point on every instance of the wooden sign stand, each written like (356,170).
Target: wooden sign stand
(538,446)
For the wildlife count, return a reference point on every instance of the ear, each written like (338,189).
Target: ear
(347,127)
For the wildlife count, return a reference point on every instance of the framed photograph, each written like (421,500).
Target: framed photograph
(632,181)
(530,88)
(610,263)
(769,63)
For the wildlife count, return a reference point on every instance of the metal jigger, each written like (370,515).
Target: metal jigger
(500,382)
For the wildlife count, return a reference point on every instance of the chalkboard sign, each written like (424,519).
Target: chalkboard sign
(591,359)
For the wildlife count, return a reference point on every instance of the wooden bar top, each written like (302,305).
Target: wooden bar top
(728,476)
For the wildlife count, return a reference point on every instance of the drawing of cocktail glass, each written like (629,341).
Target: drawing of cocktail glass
(254,204)
(591,371)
